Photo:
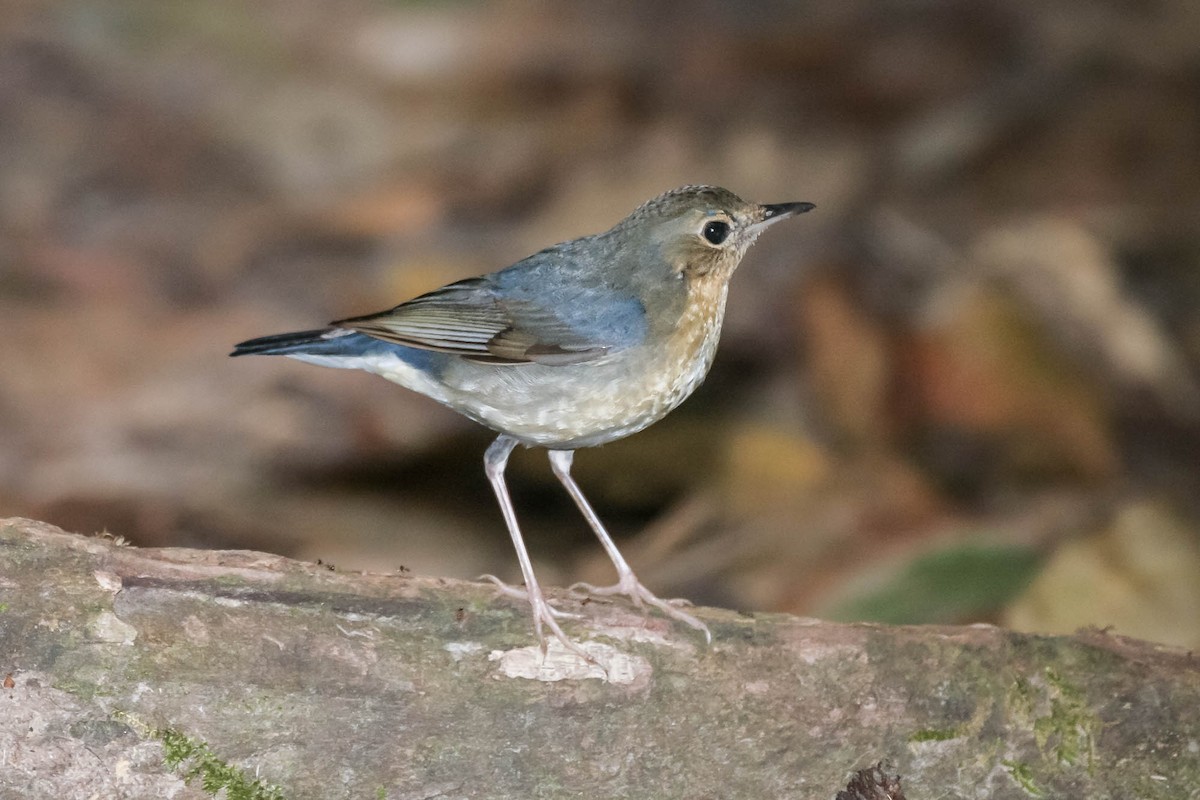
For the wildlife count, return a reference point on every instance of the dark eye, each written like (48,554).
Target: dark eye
(715,232)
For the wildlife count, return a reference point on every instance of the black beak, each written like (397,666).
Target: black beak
(780,210)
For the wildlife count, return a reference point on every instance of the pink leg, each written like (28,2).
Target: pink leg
(627,583)
(494,462)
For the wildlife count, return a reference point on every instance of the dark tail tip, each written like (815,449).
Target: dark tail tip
(280,344)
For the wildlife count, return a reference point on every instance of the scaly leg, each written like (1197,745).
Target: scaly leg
(494,462)
(627,583)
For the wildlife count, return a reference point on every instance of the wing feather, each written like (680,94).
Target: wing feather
(472,319)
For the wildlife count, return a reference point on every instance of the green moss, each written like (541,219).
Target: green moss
(1069,730)
(197,761)
(1023,775)
(1064,728)
(933,735)
(1022,696)
(3,607)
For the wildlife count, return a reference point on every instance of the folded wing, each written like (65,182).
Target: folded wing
(475,320)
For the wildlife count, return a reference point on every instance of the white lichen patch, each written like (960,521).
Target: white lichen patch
(109,581)
(460,650)
(560,664)
(108,628)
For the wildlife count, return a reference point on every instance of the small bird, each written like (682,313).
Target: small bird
(580,344)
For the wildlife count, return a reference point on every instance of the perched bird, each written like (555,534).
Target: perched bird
(578,345)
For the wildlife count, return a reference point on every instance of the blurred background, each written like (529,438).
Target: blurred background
(965,388)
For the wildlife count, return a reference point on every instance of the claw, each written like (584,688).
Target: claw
(632,588)
(544,614)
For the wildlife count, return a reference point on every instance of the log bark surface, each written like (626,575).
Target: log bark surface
(330,685)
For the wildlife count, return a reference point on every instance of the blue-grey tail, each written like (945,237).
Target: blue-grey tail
(315,342)
(337,347)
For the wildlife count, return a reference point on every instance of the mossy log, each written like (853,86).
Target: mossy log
(127,671)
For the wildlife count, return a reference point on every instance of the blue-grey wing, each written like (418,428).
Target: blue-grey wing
(526,314)
(460,318)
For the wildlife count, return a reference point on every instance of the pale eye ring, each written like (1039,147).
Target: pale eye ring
(715,231)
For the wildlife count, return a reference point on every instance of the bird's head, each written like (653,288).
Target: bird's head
(702,231)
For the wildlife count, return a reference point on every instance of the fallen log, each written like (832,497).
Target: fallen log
(182,673)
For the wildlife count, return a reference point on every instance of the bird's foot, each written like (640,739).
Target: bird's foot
(522,594)
(544,615)
(632,588)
